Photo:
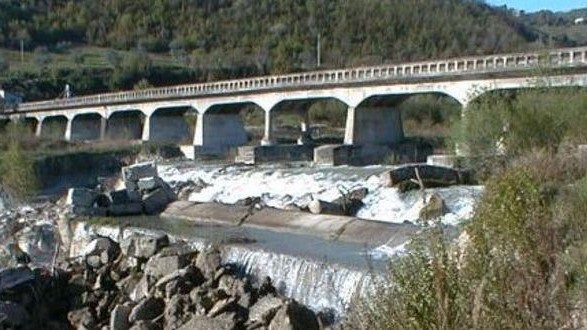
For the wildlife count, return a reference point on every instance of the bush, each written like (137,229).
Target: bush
(521,265)
(513,124)
(17,173)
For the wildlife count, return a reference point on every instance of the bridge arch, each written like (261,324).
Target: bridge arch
(292,120)
(171,124)
(125,125)
(54,127)
(221,126)
(87,126)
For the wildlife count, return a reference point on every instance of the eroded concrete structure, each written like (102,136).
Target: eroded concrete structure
(371,94)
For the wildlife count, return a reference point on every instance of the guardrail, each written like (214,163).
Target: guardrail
(471,65)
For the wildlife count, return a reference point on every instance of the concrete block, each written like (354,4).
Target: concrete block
(155,201)
(131,185)
(81,197)
(119,197)
(138,171)
(171,195)
(131,208)
(147,184)
(134,196)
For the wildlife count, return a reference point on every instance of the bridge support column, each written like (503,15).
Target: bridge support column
(305,133)
(68,129)
(373,125)
(39,128)
(103,125)
(146,129)
(349,131)
(268,138)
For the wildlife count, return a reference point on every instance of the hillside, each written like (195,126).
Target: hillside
(113,44)
(559,28)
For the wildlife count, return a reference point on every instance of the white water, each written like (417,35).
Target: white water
(319,285)
(283,187)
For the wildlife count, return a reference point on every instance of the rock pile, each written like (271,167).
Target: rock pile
(144,283)
(144,193)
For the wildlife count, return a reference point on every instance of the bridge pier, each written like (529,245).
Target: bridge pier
(268,138)
(305,133)
(68,127)
(373,125)
(39,127)
(146,136)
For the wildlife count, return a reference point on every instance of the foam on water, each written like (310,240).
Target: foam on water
(282,187)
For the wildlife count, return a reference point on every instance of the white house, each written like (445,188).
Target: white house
(579,20)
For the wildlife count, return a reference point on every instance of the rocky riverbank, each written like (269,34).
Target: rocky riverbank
(145,283)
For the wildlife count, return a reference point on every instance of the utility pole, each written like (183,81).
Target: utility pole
(21,51)
(318,55)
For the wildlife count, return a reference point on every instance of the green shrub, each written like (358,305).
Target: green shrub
(523,264)
(17,172)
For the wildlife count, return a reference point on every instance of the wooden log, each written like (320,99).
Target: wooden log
(405,177)
(317,206)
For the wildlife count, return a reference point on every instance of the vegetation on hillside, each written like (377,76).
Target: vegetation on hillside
(111,45)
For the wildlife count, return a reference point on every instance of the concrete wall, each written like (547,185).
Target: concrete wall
(220,131)
(169,128)
(86,127)
(125,125)
(374,125)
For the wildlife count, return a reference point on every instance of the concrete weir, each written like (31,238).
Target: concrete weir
(348,229)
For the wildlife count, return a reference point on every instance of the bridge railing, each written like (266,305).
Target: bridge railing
(558,58)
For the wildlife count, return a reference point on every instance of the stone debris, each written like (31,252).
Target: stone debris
(180,288)
(144,192)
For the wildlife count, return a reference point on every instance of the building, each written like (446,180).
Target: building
(8,101)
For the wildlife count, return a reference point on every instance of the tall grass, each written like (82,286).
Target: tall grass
(17,172)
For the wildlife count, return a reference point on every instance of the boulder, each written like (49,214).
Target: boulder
(155,201)
(138,171)
(130,208)
(12,277)
(264,309)
(208,261)
(434,208)
(141,290)
(143,246)
(148,309)
(82,318)
(119,317)
(119,197)
(222,306)
(102,247)
(206,323)
(159,266)
(13,315)
(81,197)
(293,316)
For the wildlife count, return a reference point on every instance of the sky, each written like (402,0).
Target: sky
(536,5)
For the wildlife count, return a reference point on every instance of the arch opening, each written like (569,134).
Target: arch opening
(54,128)
(86,127)
(125,125)
(175,125)
(313,121)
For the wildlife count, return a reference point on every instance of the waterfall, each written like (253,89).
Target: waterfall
(317,284)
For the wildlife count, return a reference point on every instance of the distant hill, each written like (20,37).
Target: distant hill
(559,28)
(114,44)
